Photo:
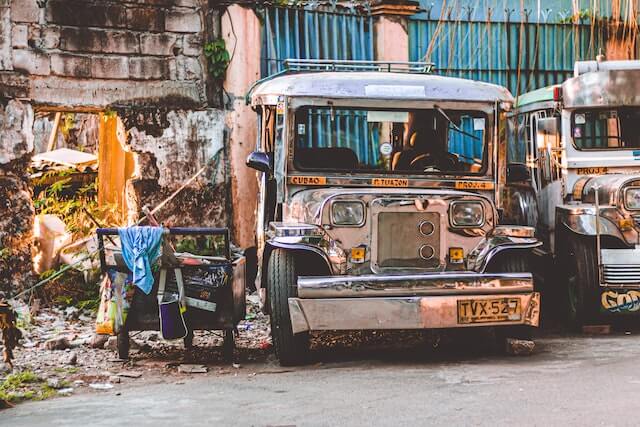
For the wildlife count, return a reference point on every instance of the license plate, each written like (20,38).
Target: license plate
(489,310)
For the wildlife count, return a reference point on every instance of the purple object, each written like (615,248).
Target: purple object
(172,324)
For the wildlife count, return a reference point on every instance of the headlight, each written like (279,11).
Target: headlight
(466,214)
(632,198)
(347,213)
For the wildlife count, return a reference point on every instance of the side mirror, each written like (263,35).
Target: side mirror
(259,161)
(517,172)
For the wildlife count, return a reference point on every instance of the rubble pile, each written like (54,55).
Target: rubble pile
(62,351)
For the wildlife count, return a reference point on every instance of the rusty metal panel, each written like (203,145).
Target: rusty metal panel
(408,240)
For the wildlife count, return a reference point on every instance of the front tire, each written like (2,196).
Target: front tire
(512,262)
(281,285)
(581,281)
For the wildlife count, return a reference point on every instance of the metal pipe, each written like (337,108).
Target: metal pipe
(597,196)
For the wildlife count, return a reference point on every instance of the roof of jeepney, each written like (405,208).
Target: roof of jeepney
(539,95)
(381,85)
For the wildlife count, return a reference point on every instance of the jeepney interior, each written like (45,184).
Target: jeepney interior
(606,129)
(423,141)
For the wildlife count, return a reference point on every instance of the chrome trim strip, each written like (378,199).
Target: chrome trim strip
(444,283)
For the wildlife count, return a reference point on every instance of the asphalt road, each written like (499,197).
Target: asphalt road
(569,380)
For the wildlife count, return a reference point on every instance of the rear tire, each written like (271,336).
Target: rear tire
(581,281)
(281,285)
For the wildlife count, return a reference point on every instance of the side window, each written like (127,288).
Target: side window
(517,141)
(268,129)
(549,150)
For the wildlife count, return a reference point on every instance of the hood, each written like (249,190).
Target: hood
(608,187)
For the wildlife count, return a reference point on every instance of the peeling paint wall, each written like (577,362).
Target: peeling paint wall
(16,207)
(169,156)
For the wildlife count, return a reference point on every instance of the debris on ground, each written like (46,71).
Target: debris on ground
(192,369)
(101,386)
(60,348)
(130,374)
(518,347)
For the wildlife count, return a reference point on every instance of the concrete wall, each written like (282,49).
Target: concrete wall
(241,30)
(116,52)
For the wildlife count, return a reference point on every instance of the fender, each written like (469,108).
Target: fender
(582,220)
(298,247)
(482,254)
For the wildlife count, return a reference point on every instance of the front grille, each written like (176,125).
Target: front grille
(621,274)
(408,240)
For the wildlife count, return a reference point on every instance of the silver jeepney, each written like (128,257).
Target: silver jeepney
(583,151)
(370,218)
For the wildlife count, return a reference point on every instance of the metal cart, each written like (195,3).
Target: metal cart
(228,295)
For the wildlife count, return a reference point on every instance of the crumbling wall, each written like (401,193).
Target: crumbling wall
(96,53)
(144,60)
(16,206)
(78,131)
(171,147)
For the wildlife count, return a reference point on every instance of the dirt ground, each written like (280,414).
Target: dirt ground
(62,350)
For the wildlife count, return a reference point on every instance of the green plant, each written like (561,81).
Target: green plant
(218,58)
(25,385)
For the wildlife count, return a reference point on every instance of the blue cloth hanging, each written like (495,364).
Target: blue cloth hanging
(140,249)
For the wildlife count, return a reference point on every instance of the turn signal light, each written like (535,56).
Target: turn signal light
(456,255)
(625,224)
(358,254)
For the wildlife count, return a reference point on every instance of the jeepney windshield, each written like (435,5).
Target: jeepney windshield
(393,141)
(613,129)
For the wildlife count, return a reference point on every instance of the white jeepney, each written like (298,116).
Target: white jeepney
(581,143)
(379,204)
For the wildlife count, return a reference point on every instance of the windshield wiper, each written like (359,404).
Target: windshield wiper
(455,126)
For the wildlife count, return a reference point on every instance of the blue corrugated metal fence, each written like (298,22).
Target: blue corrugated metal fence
(521,56)
(313,34)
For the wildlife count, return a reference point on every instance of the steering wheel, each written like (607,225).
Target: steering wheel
(430,163)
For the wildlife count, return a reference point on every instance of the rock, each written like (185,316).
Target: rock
(54,383)
(192,369)
(111,343)
(73,359)
(114,379)
(98,341)
(520,347)
(101,386)
(65,391)
(71,312)
(78,383)
(130,374)
(59,343)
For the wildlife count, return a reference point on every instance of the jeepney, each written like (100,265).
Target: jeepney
(581,143)
(379,206)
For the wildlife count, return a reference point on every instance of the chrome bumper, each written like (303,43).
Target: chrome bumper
(421,301)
